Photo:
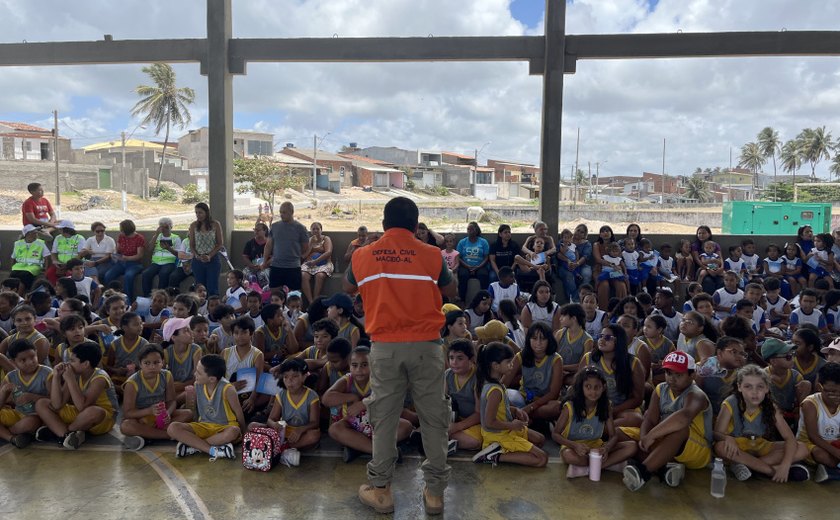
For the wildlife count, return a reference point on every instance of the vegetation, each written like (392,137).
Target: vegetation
(696,188)
(167,194)
(163,104)
(193,196)
(265,178)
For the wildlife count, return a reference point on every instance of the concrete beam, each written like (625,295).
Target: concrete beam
(467,48)
(552,112)
(102,52)
(695,45)
(220,116)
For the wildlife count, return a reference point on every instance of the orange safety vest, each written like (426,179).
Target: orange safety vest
(397,277)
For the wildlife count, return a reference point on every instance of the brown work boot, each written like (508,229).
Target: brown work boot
(380,499)
(433,503)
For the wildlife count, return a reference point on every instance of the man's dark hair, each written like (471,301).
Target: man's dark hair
(401,212)
(32,186)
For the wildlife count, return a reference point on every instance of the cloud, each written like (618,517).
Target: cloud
(624,109)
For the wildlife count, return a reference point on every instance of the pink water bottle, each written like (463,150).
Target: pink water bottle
(595,465)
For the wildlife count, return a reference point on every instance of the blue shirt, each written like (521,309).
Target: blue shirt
(473,253)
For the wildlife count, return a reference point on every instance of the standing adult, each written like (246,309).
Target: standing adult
(406,353)
(252,254)
(206,242)
(131,248)
(98,250)
(37,210)
(287,244)
(164,257)
(473,256)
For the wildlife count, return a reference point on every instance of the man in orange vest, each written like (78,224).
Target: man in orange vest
(401,281)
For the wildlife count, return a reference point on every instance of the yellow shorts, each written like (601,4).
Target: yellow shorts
(510,441)
(204,430)
(474,431)
(591,443)
(758,447)
(696,454)
(9,416)
(634,432)
(68,414)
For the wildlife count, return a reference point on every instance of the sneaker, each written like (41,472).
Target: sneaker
(44,434)
(489,455)
(432,503)
(798,473)
(134,442)
(674,473)
(224,451)
(183,450)
(820,475)
(633,478)
(21,440)
(452,447)
(290,457)
(380,499)
(576,471)
(350,454)
(740,471)
(73,440)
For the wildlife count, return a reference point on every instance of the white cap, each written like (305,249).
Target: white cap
(29,228)
(67,224)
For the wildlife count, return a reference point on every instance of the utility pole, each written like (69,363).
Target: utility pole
(55,154)
(662,200)
(144,180)
(574,174)
(124,196)
(597,179)
(314,162)
(589,166)
(475,172)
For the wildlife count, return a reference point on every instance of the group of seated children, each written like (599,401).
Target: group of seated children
(652,390)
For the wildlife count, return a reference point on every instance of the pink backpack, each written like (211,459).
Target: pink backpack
(261,448)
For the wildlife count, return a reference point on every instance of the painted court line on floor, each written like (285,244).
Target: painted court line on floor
(186,497)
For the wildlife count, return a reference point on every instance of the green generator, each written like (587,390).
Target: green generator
(775,218)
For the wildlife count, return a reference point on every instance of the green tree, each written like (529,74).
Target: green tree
(696,188)
(791,156)
(163,104)
(770,146)
(834,169)
(265,178)
(779,192)
(816,146)
(752,158)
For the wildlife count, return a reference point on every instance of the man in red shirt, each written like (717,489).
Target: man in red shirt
(37,210)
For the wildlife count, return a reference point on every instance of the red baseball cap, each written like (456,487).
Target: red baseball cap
(679,361)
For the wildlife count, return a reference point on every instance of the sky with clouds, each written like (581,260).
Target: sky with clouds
(624,109)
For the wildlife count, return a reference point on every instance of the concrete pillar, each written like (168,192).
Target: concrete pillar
(220,115)
(552,112)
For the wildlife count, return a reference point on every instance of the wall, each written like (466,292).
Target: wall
(15,175)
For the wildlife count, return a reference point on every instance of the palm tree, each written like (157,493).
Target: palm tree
(834,169)
(697,189)
(752,158)
(163,104)
(770,145)
(791,156)
(816,146)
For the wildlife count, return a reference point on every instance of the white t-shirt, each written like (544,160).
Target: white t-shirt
(100,249)
(232,297)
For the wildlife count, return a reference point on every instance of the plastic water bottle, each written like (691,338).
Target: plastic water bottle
(595,460)
(718,479)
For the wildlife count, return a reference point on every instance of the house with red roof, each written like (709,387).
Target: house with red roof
(25,142)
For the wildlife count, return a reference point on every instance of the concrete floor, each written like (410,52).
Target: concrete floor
(102,481)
